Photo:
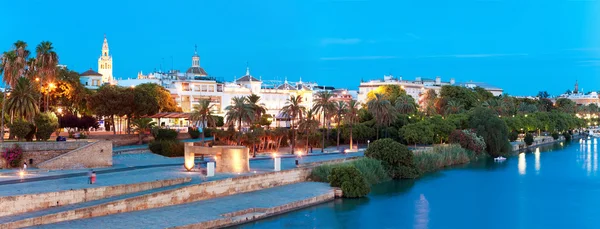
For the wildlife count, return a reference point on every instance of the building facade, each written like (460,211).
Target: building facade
(105,67)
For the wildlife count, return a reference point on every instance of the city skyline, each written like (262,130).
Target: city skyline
(523,55)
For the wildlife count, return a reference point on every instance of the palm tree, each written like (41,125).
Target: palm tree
(341,108)
(325,105)
(8,67)
(381,109)
(203,114)
(239,111)
(142,126)
(259,108)
(45,62)
(453,107)
(22,100)
(352,116)
(308,124)
(405,104)
(22,55)
(293,109)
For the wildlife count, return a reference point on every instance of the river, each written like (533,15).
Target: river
(556,186)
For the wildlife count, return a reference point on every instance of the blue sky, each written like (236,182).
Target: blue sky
(523,46)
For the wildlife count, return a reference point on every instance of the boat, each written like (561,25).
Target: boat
(498,159)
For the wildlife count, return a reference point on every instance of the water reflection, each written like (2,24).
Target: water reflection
(421,213)
(589,155)
(522,164)
(537,160)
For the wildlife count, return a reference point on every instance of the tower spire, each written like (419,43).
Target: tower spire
(247,69)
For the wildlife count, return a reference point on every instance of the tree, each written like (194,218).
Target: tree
(465,96)
(396,159)
(142,126)
(352,117)
(341,108)
(482,94)
(417,133)
(293,109)
(390,93)
(543,95)
(453,107)
(427,102)
(487,124)
(241,112)
(324,104)
(23,100)
(106,102)
(8,67)
(441,128)
(203,114)
(257,107)
(405,104)
(566,105)
(146,101)
(381,109)
(46,61)
(308,124)
(46,123)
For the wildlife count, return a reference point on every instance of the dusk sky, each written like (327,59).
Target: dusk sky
(523,46)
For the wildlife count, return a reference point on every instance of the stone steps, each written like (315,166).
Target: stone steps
(59,214)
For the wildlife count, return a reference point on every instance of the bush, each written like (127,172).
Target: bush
(321,172)
(372,170)
(167,148)
(351,181)
(13,156)
(164,134)
(494,131)
(468,140)
(528,139)
(513,136)
(208,132)
(194,133)
(46,124)
(396,158)
(567,136)
(555,135)
(20,128)
(442,156)
(31,133)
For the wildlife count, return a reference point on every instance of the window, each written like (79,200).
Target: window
(86,83)
(204,88)
(211,88)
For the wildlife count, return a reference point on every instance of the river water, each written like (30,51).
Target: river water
(556,186)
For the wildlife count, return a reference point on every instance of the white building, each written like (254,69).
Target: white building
(92,79)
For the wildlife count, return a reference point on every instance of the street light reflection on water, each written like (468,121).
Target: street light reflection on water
(522,164)
(537,160)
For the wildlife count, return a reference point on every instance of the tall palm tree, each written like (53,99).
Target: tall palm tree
(341,107)
(259,108)
(8,67)
(142,126)
(405,104)
(381,109)
(325,105)
(22,55)
(308,124)
(45,63)
(352,116)
(293,109)
(239,111)
(453,107)
(203,114)
(22,100)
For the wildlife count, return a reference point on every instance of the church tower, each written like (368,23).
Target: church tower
(576,87)
(105,63)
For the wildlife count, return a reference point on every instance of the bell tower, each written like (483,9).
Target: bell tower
(105,63)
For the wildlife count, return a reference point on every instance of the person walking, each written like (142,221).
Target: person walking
(24,166)
(90,176)
(93,177)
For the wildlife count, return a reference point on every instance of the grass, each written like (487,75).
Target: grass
(370,169)
(442,156)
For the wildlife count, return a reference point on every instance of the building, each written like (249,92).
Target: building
(579,97)
(416,88)
(92,79)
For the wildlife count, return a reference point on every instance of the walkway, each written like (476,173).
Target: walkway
(201,211)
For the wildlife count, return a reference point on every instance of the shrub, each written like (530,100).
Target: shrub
(46,124)
(555,135)
(395,158)
(513,136)
(567,136)
(87,122)
(31,133)
(194,133)
(164,134)
(351,181)
(321,172)
(372,170)
(528,139)
(208,132)
(167,148)
(13,156)
(468,140)
(441,156)
(20,128)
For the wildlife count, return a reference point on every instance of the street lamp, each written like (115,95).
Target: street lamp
(5,93)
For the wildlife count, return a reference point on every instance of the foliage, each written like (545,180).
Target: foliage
(567,136)
(194,133)
(164,134)
(566,105)
(513,136)
(87,122)
(405,104)
(46,123)
(440,157)
(22,101)
(462,95)
(20,128)
(382,110)
(13,156)
(264,120)
(555,135)
(528,139)
(395,158)
(441,128)
(142,126)
(372,170)
(468,140)
(493,130)
(351,181)
(417,133)
(167,148)
(390,92)
(68,121)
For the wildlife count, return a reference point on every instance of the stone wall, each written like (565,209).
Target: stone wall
(42,151)
(32,202)
(187,194)
(33,158)
(94,155)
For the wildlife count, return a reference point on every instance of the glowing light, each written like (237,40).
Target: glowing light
(525,116)
(37,79)
(59,110)
(21,173)
(274,155)
(537,160)
(522,164)
(51,85)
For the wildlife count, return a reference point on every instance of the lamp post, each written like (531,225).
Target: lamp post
(3,108)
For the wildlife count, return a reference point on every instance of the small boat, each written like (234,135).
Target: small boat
(500,158)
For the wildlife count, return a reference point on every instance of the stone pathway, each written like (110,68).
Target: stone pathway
(201,211)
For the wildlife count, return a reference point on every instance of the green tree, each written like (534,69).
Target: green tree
(308,124)
(405,104)
(428,102)
(482,94)
(257,107)
(142,126)
(390,93)
(106,102)
(241,112)
(487,124)
(463,95)
(293,109)
(543,95)
(453,107)
(352,117)
(202,114)
(441,128)
(417,133)
(395,158)
(340,108)
(46,61)
(46,123)
(324,104)
(381,109)
(566,105)
(23,100)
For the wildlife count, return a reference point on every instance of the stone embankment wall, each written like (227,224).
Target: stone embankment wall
(11,205)
(35,153)
(94,155)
